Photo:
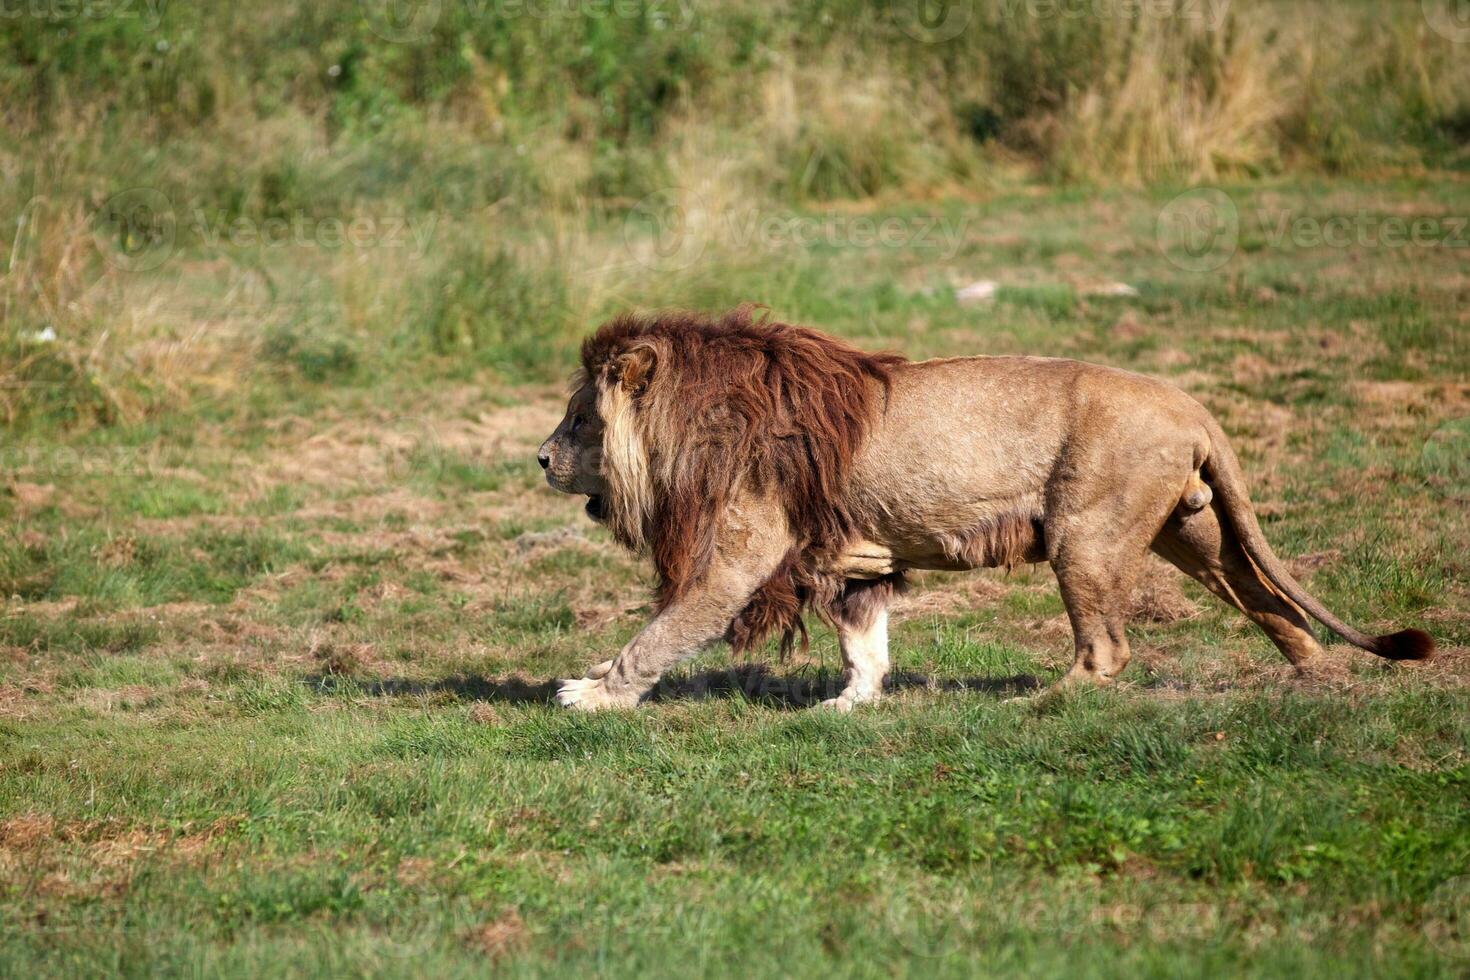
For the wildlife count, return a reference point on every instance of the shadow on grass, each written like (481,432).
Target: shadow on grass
(751,682)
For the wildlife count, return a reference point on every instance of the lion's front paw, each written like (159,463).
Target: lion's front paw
(591,694)
(847,700)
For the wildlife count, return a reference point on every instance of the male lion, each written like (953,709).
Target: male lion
(769,469)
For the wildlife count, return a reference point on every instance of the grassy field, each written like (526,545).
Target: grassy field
(288,298)
(275,668)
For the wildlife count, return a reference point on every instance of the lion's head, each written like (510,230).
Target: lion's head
(673,414)
(572,454)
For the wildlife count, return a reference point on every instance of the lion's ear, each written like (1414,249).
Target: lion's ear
(633,369)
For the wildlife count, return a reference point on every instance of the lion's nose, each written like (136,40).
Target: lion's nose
(544,458)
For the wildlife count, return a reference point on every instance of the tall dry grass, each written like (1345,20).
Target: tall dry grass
(533,143)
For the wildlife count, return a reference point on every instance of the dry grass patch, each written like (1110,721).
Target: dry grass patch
(500,937)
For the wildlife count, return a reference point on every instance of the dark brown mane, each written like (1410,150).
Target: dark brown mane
(736,401)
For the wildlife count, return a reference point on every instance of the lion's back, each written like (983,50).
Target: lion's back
(989,431)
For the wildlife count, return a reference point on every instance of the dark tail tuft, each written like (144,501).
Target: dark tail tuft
(1405,645)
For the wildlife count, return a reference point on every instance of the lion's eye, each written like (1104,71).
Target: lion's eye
(577,421)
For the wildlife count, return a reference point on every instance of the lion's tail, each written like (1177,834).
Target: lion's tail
(1227,478)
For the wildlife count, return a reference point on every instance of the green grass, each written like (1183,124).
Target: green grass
(283,597)
(1252,833)
(275,663)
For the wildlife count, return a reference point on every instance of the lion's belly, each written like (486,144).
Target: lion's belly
(986,537)
(954,475)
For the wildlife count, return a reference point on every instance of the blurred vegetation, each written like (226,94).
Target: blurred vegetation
(284,289)
(530,135)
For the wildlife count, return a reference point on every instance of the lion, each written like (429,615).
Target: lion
(770,470)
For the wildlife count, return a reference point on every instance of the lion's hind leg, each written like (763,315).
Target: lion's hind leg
(1097,556)
(861,616)
(1202,544)
(1097,599)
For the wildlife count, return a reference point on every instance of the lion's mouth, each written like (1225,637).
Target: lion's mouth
(596,507)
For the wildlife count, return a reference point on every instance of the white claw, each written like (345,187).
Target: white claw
(575,693)
(847,700)
(589,694)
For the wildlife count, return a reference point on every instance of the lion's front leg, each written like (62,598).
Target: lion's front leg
(583,692)
(865,657)
(681,630)
(862,635)
(748,549)
(590,694)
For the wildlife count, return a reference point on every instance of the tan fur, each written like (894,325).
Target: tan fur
(1197,494)
(625,463)
(963,463)
(1003,541)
